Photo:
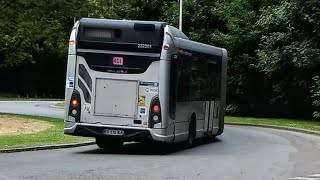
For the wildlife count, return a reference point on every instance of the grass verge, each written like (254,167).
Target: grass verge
(53,135)
(59,105)
(28,99)
(291,123)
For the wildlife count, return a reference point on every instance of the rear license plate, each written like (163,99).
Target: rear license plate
(113,132)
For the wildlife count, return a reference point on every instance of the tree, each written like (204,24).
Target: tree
(289,53)
(34,35)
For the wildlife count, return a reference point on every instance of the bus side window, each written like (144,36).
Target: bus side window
(214,79)
(184,81)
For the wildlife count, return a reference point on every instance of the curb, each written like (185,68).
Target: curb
(316,133)
(46,147)
(73,145)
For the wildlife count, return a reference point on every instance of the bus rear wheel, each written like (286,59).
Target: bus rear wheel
(108,144)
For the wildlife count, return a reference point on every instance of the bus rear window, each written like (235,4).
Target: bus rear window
(116,63)
(120,36)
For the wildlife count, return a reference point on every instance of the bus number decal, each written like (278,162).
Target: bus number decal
(144,46)
(118,61)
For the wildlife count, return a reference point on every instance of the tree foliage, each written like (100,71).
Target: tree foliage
(289,53)
(32,30)
(33,44)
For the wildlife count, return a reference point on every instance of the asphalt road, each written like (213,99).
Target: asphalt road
(36,108)
(241,153)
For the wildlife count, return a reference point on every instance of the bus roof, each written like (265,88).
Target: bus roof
(101,23)
(200,47)
(177,33)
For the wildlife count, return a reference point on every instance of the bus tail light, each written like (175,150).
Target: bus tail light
(75,106)
(74,102)
(155,112)
(156,108)
(71,42)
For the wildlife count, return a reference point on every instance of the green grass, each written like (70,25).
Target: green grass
(302,124)
(60,105)
(53,135)
(27,99)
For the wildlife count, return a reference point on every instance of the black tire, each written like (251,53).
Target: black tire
(192,134)
(210,139)
(109,144)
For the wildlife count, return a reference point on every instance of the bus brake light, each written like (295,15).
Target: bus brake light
(156,108)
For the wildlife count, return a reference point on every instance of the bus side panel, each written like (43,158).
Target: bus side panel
(71,70)
(182,121)
(206,116)
(164,91)
(70,83)
(164,81)
(183,115)
(215,115)
(223,90)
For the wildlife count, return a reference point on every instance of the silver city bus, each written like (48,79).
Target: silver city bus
(142,81)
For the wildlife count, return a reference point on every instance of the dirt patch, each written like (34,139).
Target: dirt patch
(18,126)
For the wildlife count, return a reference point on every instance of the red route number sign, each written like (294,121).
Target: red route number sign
(118,61)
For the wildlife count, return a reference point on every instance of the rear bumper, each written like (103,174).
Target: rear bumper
(130,133)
